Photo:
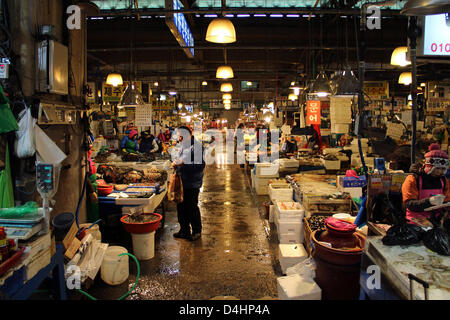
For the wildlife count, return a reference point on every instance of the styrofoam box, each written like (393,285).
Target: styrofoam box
(331,150)
(266,170)
(288,163)
(332,164)
(297,208)
(290,238)
(291,254)
(262,186)
(289,226)
(280,192)
(40,261)
(294,287)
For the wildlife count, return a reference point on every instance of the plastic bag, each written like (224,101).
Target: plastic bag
(7,120)
(437,240)
(306,269)
(25,145)
(175,192)
(28,210)
(403,234)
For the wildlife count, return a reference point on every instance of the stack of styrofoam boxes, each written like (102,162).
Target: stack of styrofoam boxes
(340,114)
(263,173)
(291,254)
(288,165)
(289,222)
(279,191)
(37,254)
(295,287)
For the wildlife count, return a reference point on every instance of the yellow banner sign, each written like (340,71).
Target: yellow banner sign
(113,94)
(377,90)
(168,104)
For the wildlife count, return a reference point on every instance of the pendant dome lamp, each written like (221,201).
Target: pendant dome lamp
(226,96)
(347,84)
(405,78)
(225,101)
(321,86)
(425,7)
(292,97)
(226,87)
(224,72)
(398,57)
(114,79)
(131,97)
(221,30)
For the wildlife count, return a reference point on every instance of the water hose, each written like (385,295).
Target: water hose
(129,291)
(80,200)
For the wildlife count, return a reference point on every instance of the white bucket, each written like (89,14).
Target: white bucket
(115,269)
(144,245)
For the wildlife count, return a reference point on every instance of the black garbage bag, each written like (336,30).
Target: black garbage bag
(437,240)
(403,234)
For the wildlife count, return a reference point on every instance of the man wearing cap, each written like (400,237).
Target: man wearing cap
(426,186)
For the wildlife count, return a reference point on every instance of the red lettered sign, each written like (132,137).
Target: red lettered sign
(313,112)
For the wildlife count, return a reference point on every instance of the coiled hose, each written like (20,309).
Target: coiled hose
(129,291)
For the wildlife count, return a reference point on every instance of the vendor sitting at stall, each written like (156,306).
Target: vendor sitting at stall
(420,189)
(129,143)
(147,143)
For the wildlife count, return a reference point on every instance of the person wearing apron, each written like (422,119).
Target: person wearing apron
(423,188)
(129,143)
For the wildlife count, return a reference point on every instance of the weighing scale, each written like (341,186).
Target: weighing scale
(45,185)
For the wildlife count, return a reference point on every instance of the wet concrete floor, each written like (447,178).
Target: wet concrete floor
(236,255)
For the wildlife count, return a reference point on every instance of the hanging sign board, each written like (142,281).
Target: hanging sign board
(143,115)
(313,112)
(168,104)
(377,90)
(434,41)
(179,27)
(113,94)
(91,92)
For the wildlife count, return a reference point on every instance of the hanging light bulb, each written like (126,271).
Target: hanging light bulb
(292,97)
(321,86)
(249,83)
(398,57)
(227,106)
(204,83)
(405,78)
(224,72)
(226,101)
(221,30)
(156,83)
(114,79)
(226,96)
(226,87)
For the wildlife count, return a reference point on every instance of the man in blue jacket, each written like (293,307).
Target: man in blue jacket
(190,165)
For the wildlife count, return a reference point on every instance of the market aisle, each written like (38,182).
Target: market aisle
(233,257)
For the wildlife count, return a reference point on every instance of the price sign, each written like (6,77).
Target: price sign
(377,90)
(168,104)
(437,35)
(313,112)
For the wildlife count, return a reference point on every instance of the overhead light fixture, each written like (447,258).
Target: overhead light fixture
(321,86)
(249,83)
(224,72)
(114,79)
(131,97)
(172,92)
(221,30)
(204,83)
(225,101)
(156,83)
(226,87)
(425,7)
(227,106)
(398,57)
(405,78)
(226,96)
(423,84)
(347,84)
(292,97)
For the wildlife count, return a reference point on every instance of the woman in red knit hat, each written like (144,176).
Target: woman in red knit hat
(424,187)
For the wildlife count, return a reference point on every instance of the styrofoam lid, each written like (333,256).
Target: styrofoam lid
(293,250)
(296,286)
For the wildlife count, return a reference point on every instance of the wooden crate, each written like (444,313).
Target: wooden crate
(307,231)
